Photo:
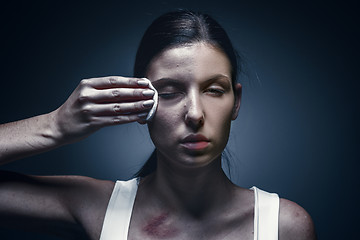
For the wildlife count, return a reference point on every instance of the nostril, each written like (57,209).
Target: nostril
(195,120)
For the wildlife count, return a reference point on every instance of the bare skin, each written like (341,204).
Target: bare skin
(95,103)
(188,197)
(32,202)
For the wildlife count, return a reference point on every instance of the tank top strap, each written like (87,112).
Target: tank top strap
(119,210)
(266,215)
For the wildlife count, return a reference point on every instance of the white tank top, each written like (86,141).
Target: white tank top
(119,210)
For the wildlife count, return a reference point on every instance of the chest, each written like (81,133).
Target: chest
(167,226)
(145,219)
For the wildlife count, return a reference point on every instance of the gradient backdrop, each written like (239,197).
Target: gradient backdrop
(297,133)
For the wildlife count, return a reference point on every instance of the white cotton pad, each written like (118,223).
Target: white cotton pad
(156,100)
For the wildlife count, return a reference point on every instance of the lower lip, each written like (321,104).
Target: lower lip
(196,145)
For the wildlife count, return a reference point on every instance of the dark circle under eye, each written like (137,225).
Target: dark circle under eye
(169,95)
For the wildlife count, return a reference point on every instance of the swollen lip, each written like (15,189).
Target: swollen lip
(199,145)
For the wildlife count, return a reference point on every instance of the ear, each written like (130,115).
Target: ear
(238,90)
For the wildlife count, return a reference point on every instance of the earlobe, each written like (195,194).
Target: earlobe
(236,108)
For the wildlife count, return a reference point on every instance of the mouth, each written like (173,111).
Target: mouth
(195,142)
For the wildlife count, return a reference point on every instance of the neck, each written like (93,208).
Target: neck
(196,191)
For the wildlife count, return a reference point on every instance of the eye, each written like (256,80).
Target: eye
(217,92)
(169,95)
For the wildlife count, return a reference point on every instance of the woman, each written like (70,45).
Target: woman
(181,192)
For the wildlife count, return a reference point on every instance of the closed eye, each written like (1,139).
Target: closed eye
(169,95)
(217,92)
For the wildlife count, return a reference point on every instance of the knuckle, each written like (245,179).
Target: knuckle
(86,109)
(131,81)
(139,107)
(84,82)
(116,120)
(112,81)
(115,93)
(134,93)
(117,108)
(84,96)
(119,79)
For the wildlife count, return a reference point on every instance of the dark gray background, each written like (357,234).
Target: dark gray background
(297,133)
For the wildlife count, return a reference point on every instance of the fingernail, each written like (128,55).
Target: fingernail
(143,83)
(148,103)
(142,115)
(148,93)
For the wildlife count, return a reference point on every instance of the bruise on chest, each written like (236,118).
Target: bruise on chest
(160,226)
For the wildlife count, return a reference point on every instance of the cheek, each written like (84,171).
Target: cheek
(168,114)
(220,122)
(220,111)
(219,117)
(166,121)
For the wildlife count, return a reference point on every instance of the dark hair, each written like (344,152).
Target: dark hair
(175,29)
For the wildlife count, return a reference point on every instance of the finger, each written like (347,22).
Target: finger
(118,108)
(114,95)
(115,82)
(116,120)
(142,121)
(120,94)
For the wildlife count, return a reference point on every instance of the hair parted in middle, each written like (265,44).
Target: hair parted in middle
(178,28)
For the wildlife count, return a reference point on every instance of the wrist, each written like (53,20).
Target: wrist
(53,129)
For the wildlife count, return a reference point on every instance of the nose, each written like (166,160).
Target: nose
(194,116)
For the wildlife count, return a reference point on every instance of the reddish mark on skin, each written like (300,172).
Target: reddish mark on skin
(160,227)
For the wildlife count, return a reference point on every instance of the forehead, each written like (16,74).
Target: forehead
(196,61)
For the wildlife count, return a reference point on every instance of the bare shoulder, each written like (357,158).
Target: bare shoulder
(59,204)
(82,192)
(79,194)
(87,199)
(54,187)
(294,222)
(68,188)
(84,185)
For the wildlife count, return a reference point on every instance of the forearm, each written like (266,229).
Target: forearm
(95,103)
(28,137)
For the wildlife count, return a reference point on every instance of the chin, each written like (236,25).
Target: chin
(195,160)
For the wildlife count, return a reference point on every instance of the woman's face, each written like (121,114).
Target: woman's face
(196,104)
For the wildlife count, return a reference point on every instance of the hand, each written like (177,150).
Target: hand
(100,102)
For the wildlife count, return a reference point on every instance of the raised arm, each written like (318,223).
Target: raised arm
(95,103)
(66,205)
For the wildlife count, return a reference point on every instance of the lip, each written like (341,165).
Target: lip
(195,142)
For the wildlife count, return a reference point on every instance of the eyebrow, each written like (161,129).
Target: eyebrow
(167,81)
(173,81)
(218,77)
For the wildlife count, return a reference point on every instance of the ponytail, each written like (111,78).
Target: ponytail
(149,166)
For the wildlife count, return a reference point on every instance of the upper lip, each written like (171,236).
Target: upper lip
(195,138)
